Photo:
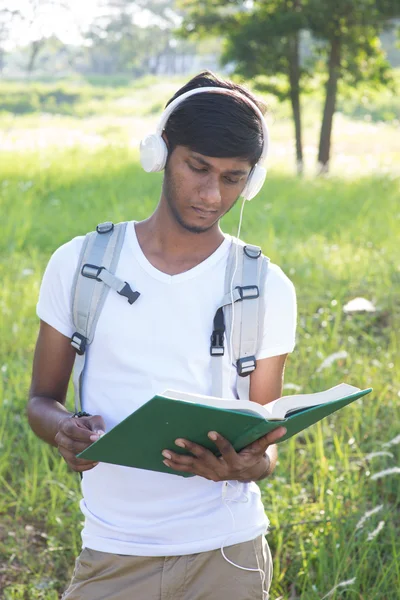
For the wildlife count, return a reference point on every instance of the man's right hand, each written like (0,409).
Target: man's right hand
(75,435)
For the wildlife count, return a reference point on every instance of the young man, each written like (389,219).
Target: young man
(151,535)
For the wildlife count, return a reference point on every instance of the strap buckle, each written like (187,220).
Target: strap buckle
(248,292)
(246,365)
(127,292)
(217,343)
(91,271)
(79,342)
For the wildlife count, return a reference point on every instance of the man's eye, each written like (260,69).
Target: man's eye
(202,170)
(231,181)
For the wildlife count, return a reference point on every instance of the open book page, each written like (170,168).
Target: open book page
(216,402)
(283,407)
(277,409)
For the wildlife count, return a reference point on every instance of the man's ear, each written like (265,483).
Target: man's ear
(164,137)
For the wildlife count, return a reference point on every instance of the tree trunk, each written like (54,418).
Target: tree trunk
(330,106)
(35,49)
(294,80)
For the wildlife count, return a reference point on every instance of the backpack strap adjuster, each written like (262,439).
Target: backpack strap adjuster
(217,343)
(246,365)
(91,271)
(79,342)
(248,292)
(217,336)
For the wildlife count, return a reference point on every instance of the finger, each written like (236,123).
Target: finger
(96,436)
(76,464)
(179,467)
(181,459)
(198,468)
(260,445)
(204,455)
(70,444)
(228,452)
(94,422)
(76,430)
(81,468)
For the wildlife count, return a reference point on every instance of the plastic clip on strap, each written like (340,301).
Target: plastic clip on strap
(217,336)
(78,342)
(101,274)
(245,365)
(217,351)
(248,292)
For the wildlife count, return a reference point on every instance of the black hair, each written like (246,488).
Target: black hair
(218,125)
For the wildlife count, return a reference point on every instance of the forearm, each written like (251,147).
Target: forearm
(44,416)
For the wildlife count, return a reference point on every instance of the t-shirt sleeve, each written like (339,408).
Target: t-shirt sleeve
(279,335)
(54,304)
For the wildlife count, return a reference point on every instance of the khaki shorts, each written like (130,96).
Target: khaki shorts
(202,576)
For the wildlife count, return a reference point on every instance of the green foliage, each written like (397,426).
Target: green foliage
(336,239)
(261,42)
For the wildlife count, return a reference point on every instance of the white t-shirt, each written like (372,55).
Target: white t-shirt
(160,342)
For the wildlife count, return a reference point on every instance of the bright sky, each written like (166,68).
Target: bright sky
(52,19)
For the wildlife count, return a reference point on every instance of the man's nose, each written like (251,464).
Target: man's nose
(210,192)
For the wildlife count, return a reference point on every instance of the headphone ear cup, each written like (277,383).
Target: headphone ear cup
(153,153)
(255,182)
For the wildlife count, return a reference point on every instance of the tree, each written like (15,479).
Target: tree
(263,40)
(134,36)
(349,31)
(35,17)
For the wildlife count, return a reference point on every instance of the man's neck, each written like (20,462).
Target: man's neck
(170,247)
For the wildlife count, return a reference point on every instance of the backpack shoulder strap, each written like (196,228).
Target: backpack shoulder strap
(248,268)
(94,276)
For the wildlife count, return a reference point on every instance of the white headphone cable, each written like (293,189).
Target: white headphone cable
(227,483)
(259,569)
(231,286)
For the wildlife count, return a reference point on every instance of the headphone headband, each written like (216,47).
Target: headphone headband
(217,90)
(154,151)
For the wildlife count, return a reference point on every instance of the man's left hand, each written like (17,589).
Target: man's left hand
(247,465)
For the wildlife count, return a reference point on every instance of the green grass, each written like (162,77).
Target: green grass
(337,239)
(122,96)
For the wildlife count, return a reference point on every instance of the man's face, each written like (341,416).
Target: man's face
(200,189)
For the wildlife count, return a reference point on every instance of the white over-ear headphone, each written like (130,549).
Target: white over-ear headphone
(154,151)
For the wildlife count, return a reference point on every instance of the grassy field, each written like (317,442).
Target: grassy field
(337,238)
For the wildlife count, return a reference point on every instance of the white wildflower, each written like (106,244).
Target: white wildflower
(368,514)
(329,360)
(341,584)
(376,531)
(391,471)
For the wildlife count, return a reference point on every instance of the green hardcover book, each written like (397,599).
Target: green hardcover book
(140,438)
